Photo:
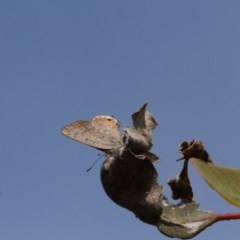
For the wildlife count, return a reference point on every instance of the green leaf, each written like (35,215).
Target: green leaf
(184,221)
(224,180)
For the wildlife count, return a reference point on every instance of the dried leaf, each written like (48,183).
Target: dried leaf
(194,149)
(140,133)
(181,186)
(143,119)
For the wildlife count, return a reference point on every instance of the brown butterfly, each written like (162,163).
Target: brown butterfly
(102,132)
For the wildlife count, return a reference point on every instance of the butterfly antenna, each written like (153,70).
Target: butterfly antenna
(99,156)
(182,158)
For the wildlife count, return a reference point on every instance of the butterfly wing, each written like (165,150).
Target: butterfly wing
(79,131)
(101,133)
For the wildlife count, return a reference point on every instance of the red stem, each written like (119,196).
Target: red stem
(226,216)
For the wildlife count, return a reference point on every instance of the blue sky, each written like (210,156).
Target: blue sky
(67,60)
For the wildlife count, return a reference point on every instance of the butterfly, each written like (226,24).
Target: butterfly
(102,132)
